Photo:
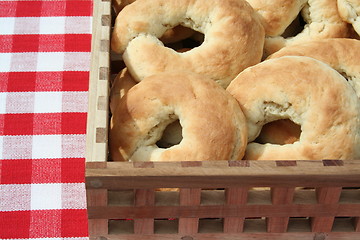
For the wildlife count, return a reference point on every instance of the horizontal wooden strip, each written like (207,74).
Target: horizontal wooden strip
(286,210)
(240,236)
(120,182)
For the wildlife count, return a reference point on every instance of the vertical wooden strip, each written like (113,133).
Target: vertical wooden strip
(235,196)
(325,195)
(97,197)
(98,112)
(144,197)
(357,224)
(189,197)
(280,195)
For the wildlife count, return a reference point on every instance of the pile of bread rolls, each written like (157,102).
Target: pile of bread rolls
(236,79)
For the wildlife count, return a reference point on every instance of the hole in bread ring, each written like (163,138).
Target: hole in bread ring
(342,54)
(322,20)
(211,130)
(309,93)
(171,136)
(231,28)
(282,131)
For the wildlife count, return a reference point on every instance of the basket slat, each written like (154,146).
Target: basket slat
(235,196)
(280,196)
(144,197)
(97,197)
(189,197)
(325,195)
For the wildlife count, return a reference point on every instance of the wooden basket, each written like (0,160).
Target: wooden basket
(212,200)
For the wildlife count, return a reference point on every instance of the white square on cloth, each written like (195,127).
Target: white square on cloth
(73,145)
(46,196)
(48,102)
(16,147)
(19,102)
(74,101)
(26,25)
(23,62)
(52,25)
(46,146)
(78,24)
(77,61)
(7,26)
(74,196)
(50,61)
(3,102)
(5,61)
(1,147)
(15,197)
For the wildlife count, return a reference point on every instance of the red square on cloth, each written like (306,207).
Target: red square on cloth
(77,43)
(46,170)
(21,81)
(16,171)
(18,124)
(28,8)
(2,116)
(73,170)
(45,223)
(74,223)
(75,81)
(4,76)
(51,43)
(73,123)
(47,123)
(10,222)
(78,8)
(25,43)
(49,81)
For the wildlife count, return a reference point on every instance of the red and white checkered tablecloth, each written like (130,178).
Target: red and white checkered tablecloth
(44,70)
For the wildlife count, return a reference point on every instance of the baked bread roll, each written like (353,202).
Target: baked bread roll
(310,94)
(121,85)
(118,5)
(349,11)
(321,21)
(213,125)
(233,37)
(277,15)
(340,53)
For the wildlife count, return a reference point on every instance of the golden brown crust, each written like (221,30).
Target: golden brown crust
(234,37)
(277,15)
(349,11)
(121,85)
(342,54)
(309,93)
(118,5)
(213,125)
(322,21)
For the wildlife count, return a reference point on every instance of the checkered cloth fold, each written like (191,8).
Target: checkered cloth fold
(45,51)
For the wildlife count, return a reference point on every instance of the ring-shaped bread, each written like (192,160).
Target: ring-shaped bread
(321,17)
(233,37)
(213,125)
(311,94)
(277,15)
(349,11)
(122,83)
(342,54)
